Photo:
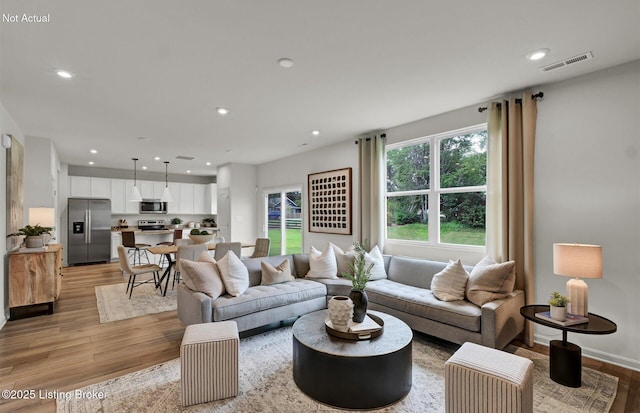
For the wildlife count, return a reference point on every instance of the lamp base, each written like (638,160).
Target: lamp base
(578,293)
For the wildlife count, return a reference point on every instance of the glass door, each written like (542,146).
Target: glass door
(284,220)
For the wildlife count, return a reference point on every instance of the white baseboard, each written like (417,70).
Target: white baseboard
(593,353)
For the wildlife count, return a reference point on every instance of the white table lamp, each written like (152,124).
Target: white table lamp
(579,261)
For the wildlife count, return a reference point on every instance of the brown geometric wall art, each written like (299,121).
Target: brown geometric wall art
(330,201)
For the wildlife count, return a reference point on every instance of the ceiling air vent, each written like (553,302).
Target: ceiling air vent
(185,158)
(575,59)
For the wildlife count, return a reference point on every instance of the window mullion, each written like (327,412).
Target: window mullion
(434,186)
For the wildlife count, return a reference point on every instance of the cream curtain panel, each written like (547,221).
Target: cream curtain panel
(511,129)
(371,194)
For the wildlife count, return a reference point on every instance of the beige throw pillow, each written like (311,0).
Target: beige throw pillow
(202,276)
(450,283)
(490,281)
(322,264)
(275,275)
(343,258)
(234,273)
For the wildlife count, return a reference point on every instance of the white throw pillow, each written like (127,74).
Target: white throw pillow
(275,275)
(234,273)
(490,281)
(450,283)
(377,271)
(322,264)
(343,258)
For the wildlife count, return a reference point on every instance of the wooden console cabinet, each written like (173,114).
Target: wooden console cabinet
(35,277)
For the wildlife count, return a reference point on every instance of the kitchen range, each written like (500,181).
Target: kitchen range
(151,225)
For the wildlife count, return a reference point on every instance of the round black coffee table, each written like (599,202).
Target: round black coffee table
(352,374)
(565,358)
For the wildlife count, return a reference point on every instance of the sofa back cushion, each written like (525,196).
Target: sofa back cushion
(255,269)
(417,272)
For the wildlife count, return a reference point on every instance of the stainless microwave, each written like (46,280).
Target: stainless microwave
(153,206)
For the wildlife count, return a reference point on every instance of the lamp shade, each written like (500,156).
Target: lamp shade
(134,195)
(45,217)
(166,195)
(577,260)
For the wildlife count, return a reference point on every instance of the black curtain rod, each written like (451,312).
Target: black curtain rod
(538,95)
(383,135)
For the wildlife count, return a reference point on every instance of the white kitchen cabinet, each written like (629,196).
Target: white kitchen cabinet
(186,198)
(213,198)
(100,187)
(174,207)
(118,196)
(79,186)
(115,241)
(146,189)
(199,196)
(131,207)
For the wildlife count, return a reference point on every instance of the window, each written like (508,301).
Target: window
(284,220)
(436,188)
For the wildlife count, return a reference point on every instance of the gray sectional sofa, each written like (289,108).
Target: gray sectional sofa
(405,294)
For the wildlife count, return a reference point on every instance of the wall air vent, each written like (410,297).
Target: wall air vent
(185,158)
(575,59)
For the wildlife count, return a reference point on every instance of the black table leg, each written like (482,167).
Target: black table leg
(565,363)
(166,274)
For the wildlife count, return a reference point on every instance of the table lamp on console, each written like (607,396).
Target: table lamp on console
(579,261)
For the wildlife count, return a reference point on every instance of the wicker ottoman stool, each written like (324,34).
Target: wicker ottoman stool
(209,362)
(482,379)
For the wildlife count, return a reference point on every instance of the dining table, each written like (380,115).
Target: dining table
(167,250)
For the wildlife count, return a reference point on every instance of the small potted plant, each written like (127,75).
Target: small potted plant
(359,276)
(558,306)
(209,222)
(34,235)
(176,222)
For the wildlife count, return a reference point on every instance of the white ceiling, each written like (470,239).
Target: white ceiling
(159,68)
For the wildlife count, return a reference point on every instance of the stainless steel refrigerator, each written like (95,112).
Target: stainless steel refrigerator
(89,237)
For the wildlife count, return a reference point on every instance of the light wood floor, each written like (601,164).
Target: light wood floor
(71,349)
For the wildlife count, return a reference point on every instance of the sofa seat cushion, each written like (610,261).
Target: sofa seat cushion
(264,297)
(422,303)
(340,286)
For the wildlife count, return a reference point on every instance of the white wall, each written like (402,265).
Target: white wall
(238,181)
(293,171)
(9,126)
(587,187)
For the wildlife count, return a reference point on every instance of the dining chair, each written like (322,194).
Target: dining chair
(223,247)
(187,252)
(177,234)
(129,241)
(135,270)
(262,248)
(183,241)
(217,240)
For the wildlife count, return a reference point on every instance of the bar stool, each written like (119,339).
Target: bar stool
(177,234)
(129,242)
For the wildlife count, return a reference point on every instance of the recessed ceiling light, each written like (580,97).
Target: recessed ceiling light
(315,132)
(222,111)
(156,158)
(537,54)
(285,62)
(64,74)
(144,167)
(91,162)
(188,171)
(208,163)
(93,151)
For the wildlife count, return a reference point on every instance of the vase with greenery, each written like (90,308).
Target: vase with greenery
(558,306)
(359,276)
(34,235)
(209,222)
(176,222)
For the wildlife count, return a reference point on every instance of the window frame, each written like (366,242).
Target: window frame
(434,190)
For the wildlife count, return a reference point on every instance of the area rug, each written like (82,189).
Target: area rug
(266,384)
(114,303)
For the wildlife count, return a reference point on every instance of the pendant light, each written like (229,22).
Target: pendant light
(166,195)
(134,194)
